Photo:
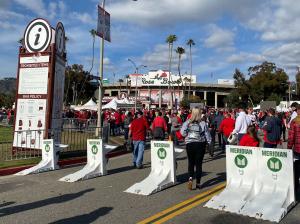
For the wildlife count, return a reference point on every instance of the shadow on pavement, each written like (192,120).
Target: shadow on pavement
(85,218)
(220,155)
(228,218)
(221,177)
(45,202)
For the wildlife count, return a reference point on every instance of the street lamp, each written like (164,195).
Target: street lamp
(136,72)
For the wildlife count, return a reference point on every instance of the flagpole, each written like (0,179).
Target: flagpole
(99,120)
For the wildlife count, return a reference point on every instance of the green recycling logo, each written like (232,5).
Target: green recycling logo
(240,161)
(47,147)
(161,153)
(274,164)
(94,149)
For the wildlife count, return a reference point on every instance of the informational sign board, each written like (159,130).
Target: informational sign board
(31,105)
(103,25)
(40,82)
(266,105)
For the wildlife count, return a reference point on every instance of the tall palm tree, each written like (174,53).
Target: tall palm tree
(190,43)
(170,40)
(180,51)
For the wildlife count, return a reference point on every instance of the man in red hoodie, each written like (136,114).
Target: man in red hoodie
(294,143)
(226,127)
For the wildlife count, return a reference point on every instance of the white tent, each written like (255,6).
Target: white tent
(113,104)
(90,105)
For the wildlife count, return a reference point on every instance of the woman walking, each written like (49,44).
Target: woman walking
(195,131)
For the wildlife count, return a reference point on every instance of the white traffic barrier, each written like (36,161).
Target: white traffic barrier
(241,168)
(96,162)
(276,186)
(265,191)
(49,159)
(162,173)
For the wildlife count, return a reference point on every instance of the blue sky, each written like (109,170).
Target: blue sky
(228,34)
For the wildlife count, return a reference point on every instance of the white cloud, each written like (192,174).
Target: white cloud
(36,6)
(245,57)
(85,18)
(170,12)
(220,39)
(277,21)
(158,57)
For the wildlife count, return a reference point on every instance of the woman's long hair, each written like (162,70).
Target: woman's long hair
(253,133)
(196,115)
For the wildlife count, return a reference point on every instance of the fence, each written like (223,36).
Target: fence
(73,133)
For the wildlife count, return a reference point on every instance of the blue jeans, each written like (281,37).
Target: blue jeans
(138,152)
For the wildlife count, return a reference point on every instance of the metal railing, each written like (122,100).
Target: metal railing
(27,144)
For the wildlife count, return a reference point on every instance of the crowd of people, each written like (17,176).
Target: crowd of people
(207,130)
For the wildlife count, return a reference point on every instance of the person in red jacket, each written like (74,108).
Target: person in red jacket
(294,143)
(137,131)
(250,139)
(159,127)
(226,127)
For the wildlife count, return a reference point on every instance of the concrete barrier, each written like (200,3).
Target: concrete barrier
(162,173)
(276,194)
(49,159)
(260,183)
(96,162)
(241,167)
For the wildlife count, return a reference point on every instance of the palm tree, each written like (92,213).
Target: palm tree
(190,43)
(170,40)
(180,51)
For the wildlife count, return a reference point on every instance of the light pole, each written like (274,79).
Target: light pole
(99,120)
(136,72)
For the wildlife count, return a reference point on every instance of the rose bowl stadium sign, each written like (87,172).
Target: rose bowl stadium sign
(160,78)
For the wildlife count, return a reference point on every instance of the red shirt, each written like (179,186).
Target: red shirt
(227,126)
(294,135)
(159,122)
(247,140)
(138,129)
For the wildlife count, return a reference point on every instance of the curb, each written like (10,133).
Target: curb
(62,163)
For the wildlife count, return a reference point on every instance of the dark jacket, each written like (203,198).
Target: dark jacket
(272,128)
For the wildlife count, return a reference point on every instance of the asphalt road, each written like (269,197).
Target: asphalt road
(41,198)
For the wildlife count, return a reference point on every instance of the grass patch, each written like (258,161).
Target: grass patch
(16,163)
(6,134)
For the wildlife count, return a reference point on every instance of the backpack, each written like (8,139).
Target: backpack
(195,131)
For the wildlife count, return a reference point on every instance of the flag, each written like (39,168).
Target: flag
(103,25)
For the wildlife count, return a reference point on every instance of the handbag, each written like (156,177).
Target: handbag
(232,139)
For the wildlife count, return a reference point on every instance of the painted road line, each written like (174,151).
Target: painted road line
(183,206)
